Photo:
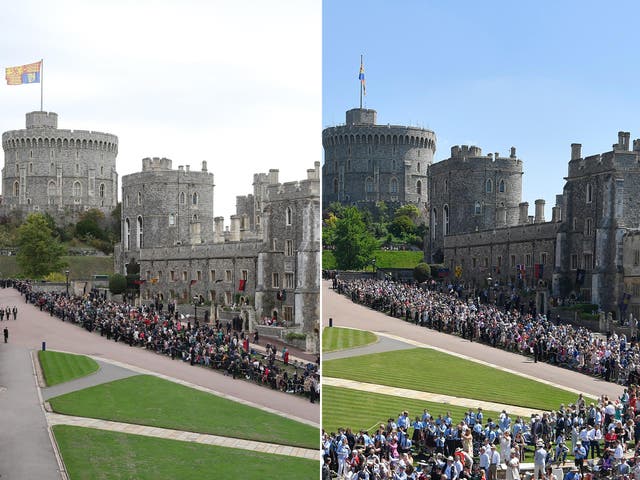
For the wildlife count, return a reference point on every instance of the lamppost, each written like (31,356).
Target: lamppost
(373,263)
(196,300)
(66,272)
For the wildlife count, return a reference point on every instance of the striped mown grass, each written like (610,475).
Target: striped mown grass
(335,338)
(343,407)
(428,370)
(60,367)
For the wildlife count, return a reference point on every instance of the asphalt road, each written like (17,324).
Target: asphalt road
(33,327)
(348,314)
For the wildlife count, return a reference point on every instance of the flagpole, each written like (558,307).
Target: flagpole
(361,82)
(41,82)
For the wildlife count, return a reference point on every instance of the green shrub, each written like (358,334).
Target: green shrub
(295,336)
(117,283)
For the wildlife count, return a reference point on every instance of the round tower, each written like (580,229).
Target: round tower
(366,163)
(162,207)
(58,171)
(471,192)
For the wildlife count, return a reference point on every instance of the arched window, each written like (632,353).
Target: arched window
(139,198)
(289,216)
(77,189)
(139,237)
(51,188)
(195,218)
(445,220)
(194,198)
(52,168)
(393,185)
(589,193)
(418,167)
(446,186)
(477,209)
(488,186)
(335,185)
(127,234)
(126,201)
(501,186)
(182,198)
(434,222)
(419,187)
(101,190)
(16,188)
(368,185)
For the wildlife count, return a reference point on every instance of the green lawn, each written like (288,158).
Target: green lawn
(343,407)
(335,338)
(149,400)
(79,266)
(384,259)
(60,367)
(432,371)
(97,454)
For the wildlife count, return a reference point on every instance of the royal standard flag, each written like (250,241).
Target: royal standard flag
(361,78)
(23,74)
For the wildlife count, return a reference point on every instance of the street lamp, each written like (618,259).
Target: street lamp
(66,272)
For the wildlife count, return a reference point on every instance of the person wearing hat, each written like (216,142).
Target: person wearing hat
(580,453)
(494,460)
(450,470)
(513,466)
(573,474)
(539,460)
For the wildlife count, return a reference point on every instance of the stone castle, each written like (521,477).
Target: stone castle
(480,228)
(61,172)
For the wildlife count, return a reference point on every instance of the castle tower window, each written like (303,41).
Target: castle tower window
(194,198)
(348,164)
(30,167)
(17,169)
(589,194)
(195,218)
(288,248)
(102,170)
(16,188)
(77,168)
(139,238)
(77,189)
(418,166)
(335,185)
(289,216)
(488,186)
(369,164)
(101,190)
(477,208)
(51,188)
(419,187)
(52,168)
(127,234)
(31,154)
(434,223)
(588,227)
(172,219)
(182,198)
(501,188)
(139,198)
(445,219)
(393,185)
(368,185)
(446,186)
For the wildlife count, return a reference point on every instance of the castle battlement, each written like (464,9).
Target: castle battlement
(379,135)
(619,158)
(466,157)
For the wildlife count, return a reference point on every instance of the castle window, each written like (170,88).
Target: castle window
(588,227)
(335,185)
(195,218)
(16,188)
(212,275)
(51,153)
(419,187)
(348,164)
(434,223)
(244,275)
(636,258)
(184,275)
(575,224)
(589,193)
(77,168)
(289,280)
(501,186)
(369,164)
(194,198)
(289,216)
(183,198)
(288,248)
(30,167)
(473,262)
(418,166)
(275,280)
(368,185)
(51,188)
(127,234)
(587,258)
(527,260)
(488,186)
(139,198)
(393,185)
(445,220)
(227,275)
(126,201)
(393,164)
(102,170)
(31,154)
(543,258)
(499,262)
(486,262)
(77,189)
(101,190)
(52,168)
(513,261)
(139,238)
(198,275)
(477,208)
(17,169)
(446,186)
(574,261)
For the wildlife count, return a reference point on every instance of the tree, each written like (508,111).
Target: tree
(329,230)
(409,210)
(402,226)
(354,245)
(39,251)
(422,272)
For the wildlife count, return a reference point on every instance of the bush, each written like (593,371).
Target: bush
(422,272)
(295,336)
(117,283)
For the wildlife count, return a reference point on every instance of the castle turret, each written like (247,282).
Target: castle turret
(539,218)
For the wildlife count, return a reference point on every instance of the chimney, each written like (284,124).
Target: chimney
(524,212)
(556,214)
(539,211)
(513,152)
(235,228)
(218,234)
(188,168)
(576,151)
(204,165)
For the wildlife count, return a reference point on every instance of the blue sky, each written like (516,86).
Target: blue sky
(189,80)
(496,74)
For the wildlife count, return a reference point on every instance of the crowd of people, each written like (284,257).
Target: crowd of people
(601,439)
(217,346)
(614,358)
